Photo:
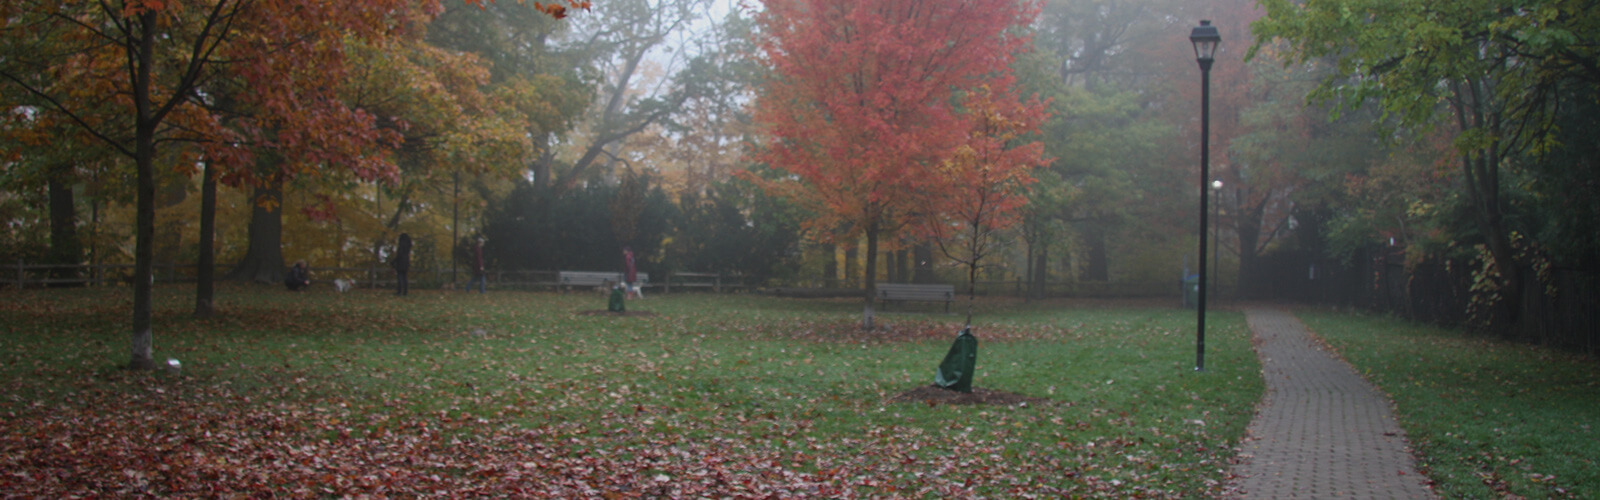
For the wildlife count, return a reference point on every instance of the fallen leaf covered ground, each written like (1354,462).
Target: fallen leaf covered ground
(520,394)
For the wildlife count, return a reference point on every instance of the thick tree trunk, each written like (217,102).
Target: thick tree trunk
(1498,238)
(145,122)
(263,260)
(1482,173)
(65,247)
(205,275)
(871,281)
(143,340)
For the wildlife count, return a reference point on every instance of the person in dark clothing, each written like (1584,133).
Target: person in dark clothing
(478,274)
(402,265)
(298,277)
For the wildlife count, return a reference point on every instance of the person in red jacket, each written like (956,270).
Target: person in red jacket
(630,273)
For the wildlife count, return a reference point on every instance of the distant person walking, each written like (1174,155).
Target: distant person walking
(299,276)
(402,265)
(479,276)
(630,273)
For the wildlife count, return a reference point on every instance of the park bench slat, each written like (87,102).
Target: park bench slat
(888,292)
(595,278)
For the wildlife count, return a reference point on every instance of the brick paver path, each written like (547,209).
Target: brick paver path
(1323,431)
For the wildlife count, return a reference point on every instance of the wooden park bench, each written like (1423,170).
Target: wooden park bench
(889,292)
(594,278)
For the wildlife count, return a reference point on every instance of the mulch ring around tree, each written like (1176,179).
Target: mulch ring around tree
(933,395)
(603,312)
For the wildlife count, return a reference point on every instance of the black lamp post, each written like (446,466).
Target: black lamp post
(1205,39)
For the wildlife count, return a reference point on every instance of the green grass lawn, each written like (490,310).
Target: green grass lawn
(1488,419)
(322,394)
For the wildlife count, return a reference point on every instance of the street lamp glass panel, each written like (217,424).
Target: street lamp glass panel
(1205,38)
(1216,184)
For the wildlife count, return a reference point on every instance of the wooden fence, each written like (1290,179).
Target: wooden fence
(1557,309)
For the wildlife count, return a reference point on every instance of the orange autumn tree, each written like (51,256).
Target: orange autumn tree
(983,182)
(142,78)
(862,107)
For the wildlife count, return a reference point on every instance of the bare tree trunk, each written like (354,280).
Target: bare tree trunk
(205,275)
(145,122)
(972,288)
(871,281)
(1482,173)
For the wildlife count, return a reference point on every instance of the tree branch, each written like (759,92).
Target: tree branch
(63,109)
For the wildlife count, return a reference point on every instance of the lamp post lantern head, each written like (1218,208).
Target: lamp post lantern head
(1216,184)
(1205,38)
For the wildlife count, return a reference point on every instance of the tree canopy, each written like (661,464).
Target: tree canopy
(863,100)
(1496,75)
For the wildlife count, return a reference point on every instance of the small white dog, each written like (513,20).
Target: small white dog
(344,285)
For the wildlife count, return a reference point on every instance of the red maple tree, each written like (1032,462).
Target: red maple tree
(862,104)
